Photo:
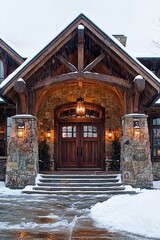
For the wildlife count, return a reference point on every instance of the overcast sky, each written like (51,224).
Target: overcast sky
(29,24)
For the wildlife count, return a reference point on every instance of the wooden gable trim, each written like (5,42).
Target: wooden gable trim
(46,53)
(151,103)
(11,52)
(122,54)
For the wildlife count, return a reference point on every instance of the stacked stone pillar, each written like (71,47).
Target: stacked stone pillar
(22,161)
(136,167)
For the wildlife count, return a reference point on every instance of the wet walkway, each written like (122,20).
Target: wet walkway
(46,217)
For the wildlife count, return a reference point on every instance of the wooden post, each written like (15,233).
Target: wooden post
(80,49)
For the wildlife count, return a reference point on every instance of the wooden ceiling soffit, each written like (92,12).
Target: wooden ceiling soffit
(86,76)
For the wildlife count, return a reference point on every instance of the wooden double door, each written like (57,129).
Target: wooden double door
(80,145)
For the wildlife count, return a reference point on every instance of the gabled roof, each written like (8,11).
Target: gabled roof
(8,47)
(108,40)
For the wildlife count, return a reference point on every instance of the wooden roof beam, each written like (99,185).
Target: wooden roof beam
(86,76)
(95,62)
(67,64)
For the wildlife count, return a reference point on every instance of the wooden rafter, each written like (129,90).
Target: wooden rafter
(80,49)
(68,65)
(94,62)
(130,62)
(110,53)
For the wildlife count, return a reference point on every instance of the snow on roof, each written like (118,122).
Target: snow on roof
(27,61)
(158,101)
(1,100)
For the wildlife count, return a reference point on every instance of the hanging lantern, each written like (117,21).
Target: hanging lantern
(80,109)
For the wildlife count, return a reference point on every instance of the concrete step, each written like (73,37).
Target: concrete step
(65,192)
(99,184)
(78,180)
(78,184)
(82,188)
(84,176)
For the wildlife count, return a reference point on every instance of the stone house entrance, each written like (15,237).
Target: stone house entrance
(82,61)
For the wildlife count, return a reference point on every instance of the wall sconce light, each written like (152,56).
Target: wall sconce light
(48,133)
(1,130)
(80,109)
(110,134)
(20,130)
(137,133)
(136,130)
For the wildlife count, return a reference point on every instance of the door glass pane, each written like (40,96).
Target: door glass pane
(89,131)
(90,134)
(69,128)
(69,134)
(68,131)
(85,134)
(64,135)
(94,134)
(90,128)
(85,128)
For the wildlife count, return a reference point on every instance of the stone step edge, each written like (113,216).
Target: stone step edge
(79,192)
(78,188)
(78,175)
(80,184)
(79,179)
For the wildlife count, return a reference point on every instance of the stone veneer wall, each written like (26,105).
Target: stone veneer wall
(136,166)
(22,161)
(102,96)
(3,161)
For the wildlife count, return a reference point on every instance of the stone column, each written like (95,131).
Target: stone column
(136,166)
(22,161)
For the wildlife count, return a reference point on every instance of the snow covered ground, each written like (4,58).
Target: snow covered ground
(137,214)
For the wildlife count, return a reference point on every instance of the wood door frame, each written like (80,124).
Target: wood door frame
(57,120)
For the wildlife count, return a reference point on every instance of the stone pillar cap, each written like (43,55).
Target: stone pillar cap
(135,115)
(23,116)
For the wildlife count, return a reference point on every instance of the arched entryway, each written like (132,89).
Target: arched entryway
(79,139)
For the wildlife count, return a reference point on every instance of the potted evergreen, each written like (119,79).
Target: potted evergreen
(44,155)
(115,155)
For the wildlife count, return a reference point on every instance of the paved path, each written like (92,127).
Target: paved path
(46,217)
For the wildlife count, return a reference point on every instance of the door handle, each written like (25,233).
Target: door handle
(77,151)
(81,152)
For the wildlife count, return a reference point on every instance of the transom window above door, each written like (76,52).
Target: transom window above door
(89,113)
